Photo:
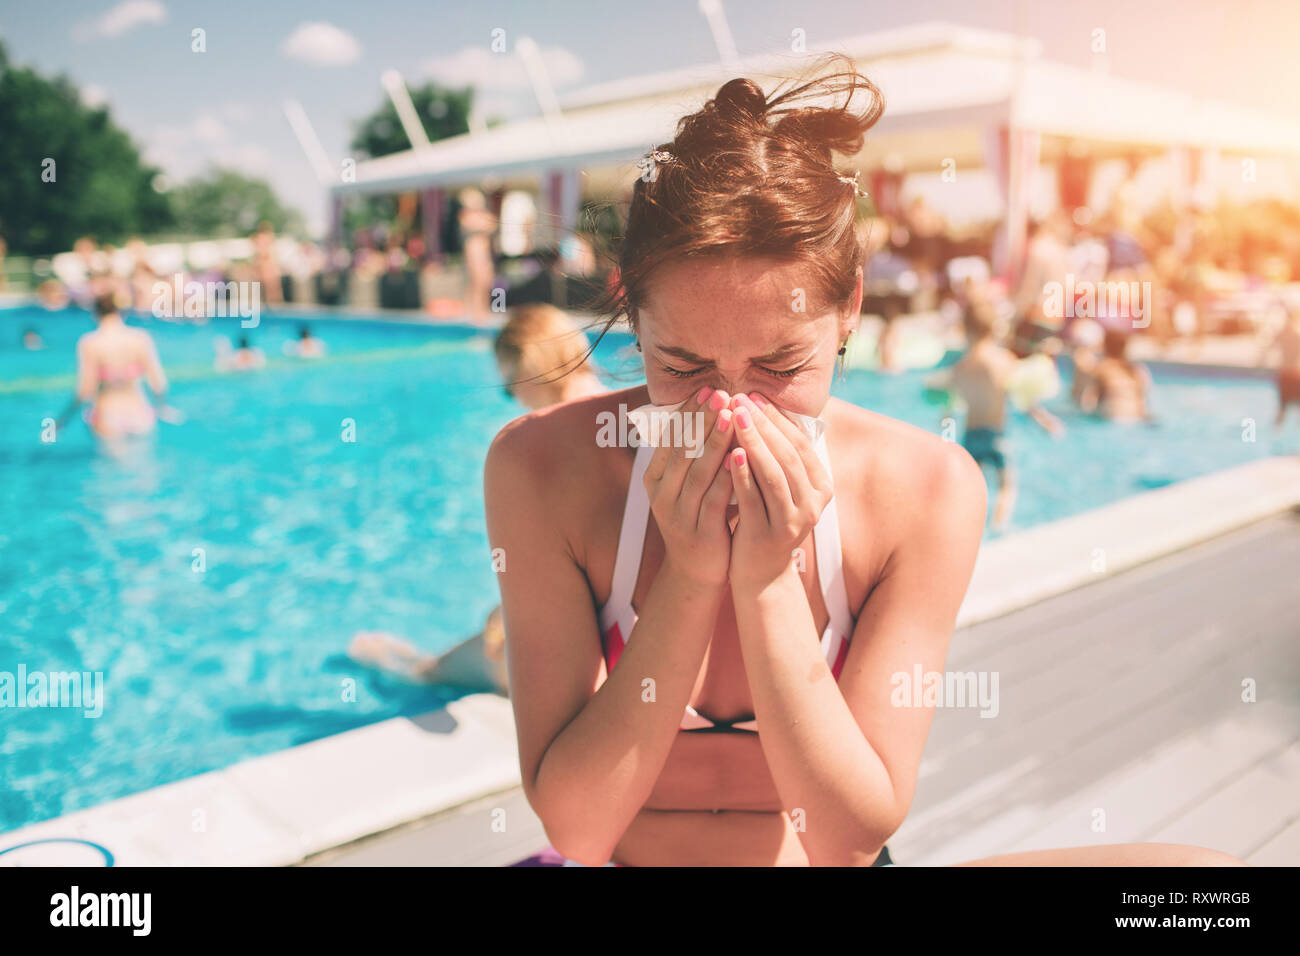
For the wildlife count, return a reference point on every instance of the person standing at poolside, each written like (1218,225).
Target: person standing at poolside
(543,359)
(266,266)
(112,361)
(477,225)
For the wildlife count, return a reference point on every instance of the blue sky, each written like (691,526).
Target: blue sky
(223,106)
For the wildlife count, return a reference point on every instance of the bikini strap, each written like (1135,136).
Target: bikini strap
(830,569)
(631,540)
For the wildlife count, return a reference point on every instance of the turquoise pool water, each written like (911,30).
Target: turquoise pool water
(308,538)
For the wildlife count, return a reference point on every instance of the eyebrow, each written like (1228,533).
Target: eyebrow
(774,356)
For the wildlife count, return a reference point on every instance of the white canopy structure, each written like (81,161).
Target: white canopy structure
(953,94)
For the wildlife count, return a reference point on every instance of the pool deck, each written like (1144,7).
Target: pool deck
(1089,721)
(1121,708)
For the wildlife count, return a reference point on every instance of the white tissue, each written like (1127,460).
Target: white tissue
(655,427)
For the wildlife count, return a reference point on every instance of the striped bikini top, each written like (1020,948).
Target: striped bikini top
(618,618)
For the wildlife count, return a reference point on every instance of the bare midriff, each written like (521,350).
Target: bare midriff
(714,804)
(705,838)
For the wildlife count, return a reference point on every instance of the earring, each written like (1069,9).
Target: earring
(845,347)
(638,345)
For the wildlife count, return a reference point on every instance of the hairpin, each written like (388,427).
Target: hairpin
(853,181)
(649,163)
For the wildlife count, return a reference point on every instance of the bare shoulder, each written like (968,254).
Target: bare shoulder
(900,473)
(571,454)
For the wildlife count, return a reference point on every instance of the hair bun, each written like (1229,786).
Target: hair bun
(741,97)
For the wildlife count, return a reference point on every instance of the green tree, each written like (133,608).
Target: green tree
(443,113)
(68,169)
(224,202)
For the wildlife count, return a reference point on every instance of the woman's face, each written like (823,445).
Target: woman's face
(734,324)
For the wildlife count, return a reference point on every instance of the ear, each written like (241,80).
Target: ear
(853,318)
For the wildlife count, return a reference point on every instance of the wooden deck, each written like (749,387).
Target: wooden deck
(1120,703)
(1121,706)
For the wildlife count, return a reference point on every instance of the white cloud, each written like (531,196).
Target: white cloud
(321,44)
(478,67)
(209,129)
(187,150)
(128,15)
(93,96)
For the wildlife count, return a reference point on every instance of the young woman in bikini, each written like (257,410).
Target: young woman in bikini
(112,361)
(700,683)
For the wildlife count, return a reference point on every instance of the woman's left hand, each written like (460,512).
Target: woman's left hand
(781,489)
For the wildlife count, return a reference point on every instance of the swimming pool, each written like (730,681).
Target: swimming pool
(307,538)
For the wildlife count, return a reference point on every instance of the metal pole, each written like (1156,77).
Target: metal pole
(712,10)
(401,100)
(307,139)
(537,75)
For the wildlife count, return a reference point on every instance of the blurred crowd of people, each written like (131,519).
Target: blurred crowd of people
(476,274)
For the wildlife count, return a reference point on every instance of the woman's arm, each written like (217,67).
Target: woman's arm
(589,755)
(844,759)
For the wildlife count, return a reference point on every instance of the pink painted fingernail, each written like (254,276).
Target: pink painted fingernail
(726,463)
(719,400)
(739,456)
(724,420)
(704,393)
(758,400)
(742,418)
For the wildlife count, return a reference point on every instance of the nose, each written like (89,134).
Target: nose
(730,382)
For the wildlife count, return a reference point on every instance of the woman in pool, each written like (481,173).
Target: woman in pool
(1118,389)
(652,628)
(542,357)
(112,361)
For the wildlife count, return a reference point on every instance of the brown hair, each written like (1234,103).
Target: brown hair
(1115,344)
(105,303)
(980,318)
(539,339)
(752,175)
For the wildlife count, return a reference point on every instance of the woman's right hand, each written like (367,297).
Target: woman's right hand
(689,495)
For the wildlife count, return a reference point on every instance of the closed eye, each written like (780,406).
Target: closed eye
(681,373)
(785,373)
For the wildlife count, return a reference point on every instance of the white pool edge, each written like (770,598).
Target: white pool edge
(338,796)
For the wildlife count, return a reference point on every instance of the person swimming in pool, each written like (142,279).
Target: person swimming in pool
(1287,344)
(1119,389)
(307,345)
(543,359)
(112,361)
(246,358)
(692,682)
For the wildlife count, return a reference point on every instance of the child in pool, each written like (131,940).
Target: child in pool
(981,378)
